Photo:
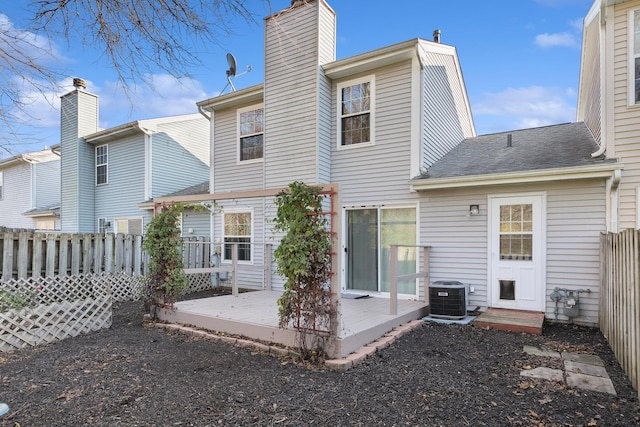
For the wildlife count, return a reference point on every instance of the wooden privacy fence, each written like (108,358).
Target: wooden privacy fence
(55,286)
(620,298)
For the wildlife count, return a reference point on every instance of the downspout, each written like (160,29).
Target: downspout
(148,162)
(209,116)
(613,197)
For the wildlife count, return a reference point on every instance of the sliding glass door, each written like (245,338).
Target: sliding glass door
(370,231)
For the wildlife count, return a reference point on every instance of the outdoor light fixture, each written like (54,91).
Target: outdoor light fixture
(474,209)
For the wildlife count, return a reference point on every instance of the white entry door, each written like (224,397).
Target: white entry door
(517,251)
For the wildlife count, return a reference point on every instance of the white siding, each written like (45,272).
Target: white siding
(247,278)
(119,198)
(379,173)
(444,124)
(590,74)
(292,60)
(575,219)
(180,155)
(228,174)
(16,196)
(47,184)
(79,117)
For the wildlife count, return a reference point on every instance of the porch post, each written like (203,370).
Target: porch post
(234,270)
(267,266)
(393,290)
(425,283)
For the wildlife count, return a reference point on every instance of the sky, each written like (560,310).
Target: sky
(520,61)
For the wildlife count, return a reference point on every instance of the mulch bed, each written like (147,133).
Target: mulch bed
(437,375)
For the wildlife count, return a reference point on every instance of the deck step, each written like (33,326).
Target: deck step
(511,320)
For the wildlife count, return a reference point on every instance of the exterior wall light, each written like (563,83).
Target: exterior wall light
(474,209)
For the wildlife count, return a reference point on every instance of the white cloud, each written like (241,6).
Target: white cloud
(547,40)
(519,108)
(161,95)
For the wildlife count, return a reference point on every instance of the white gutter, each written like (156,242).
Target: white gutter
(534,176)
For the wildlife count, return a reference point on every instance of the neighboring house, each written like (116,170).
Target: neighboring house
(609,96)
(30,190)
(513,215)
(108,176)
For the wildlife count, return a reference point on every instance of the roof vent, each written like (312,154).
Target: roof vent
(509,143)
(436,36)
(79,83)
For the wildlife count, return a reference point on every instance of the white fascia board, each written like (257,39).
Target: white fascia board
(527,177)
(252,94)
(107,135)
(370,60)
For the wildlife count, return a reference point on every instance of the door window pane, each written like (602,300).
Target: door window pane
(516,232)
(362,249)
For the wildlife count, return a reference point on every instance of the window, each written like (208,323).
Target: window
(45,224)
(355,116)
(516,232)
(101,164)
(129,226)
(237,229)
(1,185)
(251,134)
(634,59)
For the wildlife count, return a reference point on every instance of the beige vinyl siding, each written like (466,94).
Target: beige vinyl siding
(379,173)
(228,174)
(16,192)
(180,155)
(575,218)
(125,190)
(626,132)
(590,86)
(444,122)
(291,88)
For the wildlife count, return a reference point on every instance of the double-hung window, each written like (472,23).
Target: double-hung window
(355,115)
(634,57)
(237,229)
(101,165)
(251,134)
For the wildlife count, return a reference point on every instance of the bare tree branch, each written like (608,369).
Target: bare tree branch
(136,38)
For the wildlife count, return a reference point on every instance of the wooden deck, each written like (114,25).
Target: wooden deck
(255,316)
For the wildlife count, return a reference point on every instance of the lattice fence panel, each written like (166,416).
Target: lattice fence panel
(42,310)
(125,287)
(199,282)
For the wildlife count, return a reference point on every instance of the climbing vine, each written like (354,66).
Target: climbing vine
(163,243)
(304,259)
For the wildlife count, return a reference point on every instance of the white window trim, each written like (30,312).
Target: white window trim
(251,242)
(238,135)
(1,185)
(106,146)
(372,109)
(631,97)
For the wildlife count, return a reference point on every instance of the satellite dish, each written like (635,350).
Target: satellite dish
(231,72)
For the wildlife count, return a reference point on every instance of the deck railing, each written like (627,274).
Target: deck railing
(394,277)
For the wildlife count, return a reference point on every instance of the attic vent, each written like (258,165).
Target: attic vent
(509,143)
(79,83)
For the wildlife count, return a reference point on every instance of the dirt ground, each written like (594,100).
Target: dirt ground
(438,375)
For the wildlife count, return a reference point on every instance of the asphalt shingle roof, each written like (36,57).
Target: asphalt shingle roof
(549,147)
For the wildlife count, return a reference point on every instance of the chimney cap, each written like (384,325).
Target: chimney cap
(79,83)
(436,35)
